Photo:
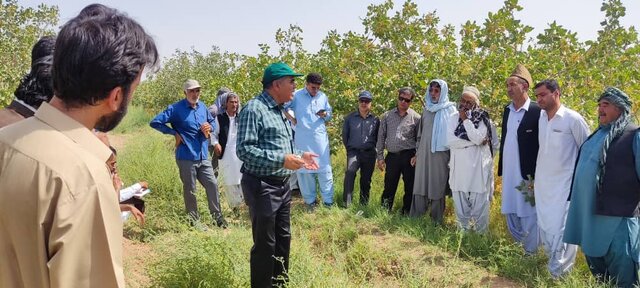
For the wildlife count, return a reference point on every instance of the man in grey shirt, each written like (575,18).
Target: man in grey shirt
(397,134)
(359,135)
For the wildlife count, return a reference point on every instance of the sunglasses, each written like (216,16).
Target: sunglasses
(364,101)
(405,100)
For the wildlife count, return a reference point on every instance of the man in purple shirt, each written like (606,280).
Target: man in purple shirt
(192,124)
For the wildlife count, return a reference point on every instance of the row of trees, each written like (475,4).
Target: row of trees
(406,48)
(399,47)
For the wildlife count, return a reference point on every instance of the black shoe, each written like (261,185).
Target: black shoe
(220,222)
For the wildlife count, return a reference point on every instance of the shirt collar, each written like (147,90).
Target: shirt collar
(560,113)
(268,99)
(75,131)
(525,106)
(188,104)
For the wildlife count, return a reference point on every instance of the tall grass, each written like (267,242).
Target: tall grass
(361,246)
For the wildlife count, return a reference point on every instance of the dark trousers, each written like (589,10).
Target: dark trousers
(364,160)
(397,164)
(269,202)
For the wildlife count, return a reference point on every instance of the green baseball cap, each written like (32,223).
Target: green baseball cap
(276,71)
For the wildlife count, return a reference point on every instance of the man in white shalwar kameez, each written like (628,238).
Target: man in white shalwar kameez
(224,147)
(517,161)
(470,137)
(561,133)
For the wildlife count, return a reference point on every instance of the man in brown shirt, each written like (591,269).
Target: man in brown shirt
(59,217)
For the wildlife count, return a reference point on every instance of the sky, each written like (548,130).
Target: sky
(240,25)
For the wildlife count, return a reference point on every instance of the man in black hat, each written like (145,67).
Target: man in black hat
(359,135)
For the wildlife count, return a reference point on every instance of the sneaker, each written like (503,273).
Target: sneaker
(220,222)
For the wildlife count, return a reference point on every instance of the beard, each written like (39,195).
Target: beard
(108,122)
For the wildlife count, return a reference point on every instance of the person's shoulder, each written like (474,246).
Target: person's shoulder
(573,114)
(351,115)
(25,142)
(413,113)
(253,105)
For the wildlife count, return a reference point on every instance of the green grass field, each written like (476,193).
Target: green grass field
(331,247)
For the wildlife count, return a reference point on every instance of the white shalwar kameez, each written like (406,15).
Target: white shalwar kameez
(520,214)
(230,166)
(560,139)
(470,174)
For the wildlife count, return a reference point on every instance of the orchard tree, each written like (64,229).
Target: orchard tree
(20,29)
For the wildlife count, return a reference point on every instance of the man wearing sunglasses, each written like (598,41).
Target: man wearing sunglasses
(359,135)
(398,134)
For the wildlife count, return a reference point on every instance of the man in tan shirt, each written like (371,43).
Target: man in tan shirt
(59,216)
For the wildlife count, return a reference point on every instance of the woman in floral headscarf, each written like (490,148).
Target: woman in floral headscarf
(432,155)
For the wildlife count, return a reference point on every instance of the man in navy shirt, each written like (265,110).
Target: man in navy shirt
(192,124)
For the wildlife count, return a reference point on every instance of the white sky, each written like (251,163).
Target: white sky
(240,25)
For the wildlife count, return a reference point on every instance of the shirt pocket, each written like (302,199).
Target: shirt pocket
(560,139)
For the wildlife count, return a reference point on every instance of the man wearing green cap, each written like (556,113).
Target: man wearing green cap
(604,210)
(265,145)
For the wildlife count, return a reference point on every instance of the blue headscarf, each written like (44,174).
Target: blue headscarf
(443,109)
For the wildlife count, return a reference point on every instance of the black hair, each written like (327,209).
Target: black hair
(314,78)
(97,51)
(407,91)
(36,86)
(550,84)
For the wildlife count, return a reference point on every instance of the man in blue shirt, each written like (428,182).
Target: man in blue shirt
(312,110)
(191,125)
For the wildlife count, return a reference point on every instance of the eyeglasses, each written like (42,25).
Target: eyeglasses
(364,101)
(405,100)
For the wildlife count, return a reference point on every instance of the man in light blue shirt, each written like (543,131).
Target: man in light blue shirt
(311,108)
(604,213)
(192,125)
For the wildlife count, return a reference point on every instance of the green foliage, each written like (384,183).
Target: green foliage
(20,28)
(135,119)
(200,260)
(406,48)
(354,247)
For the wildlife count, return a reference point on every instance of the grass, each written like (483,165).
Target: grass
(331,247)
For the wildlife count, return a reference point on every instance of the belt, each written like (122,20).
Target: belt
(273,180)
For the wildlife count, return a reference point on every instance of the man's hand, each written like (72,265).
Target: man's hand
(463,114)
(381,165)
(144,184)
(322,113)
(217,149)
(413,161)
(310,161)
(178,140)
(136,213)
(295,162)
(206,129)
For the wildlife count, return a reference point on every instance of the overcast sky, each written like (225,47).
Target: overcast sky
(240,25)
